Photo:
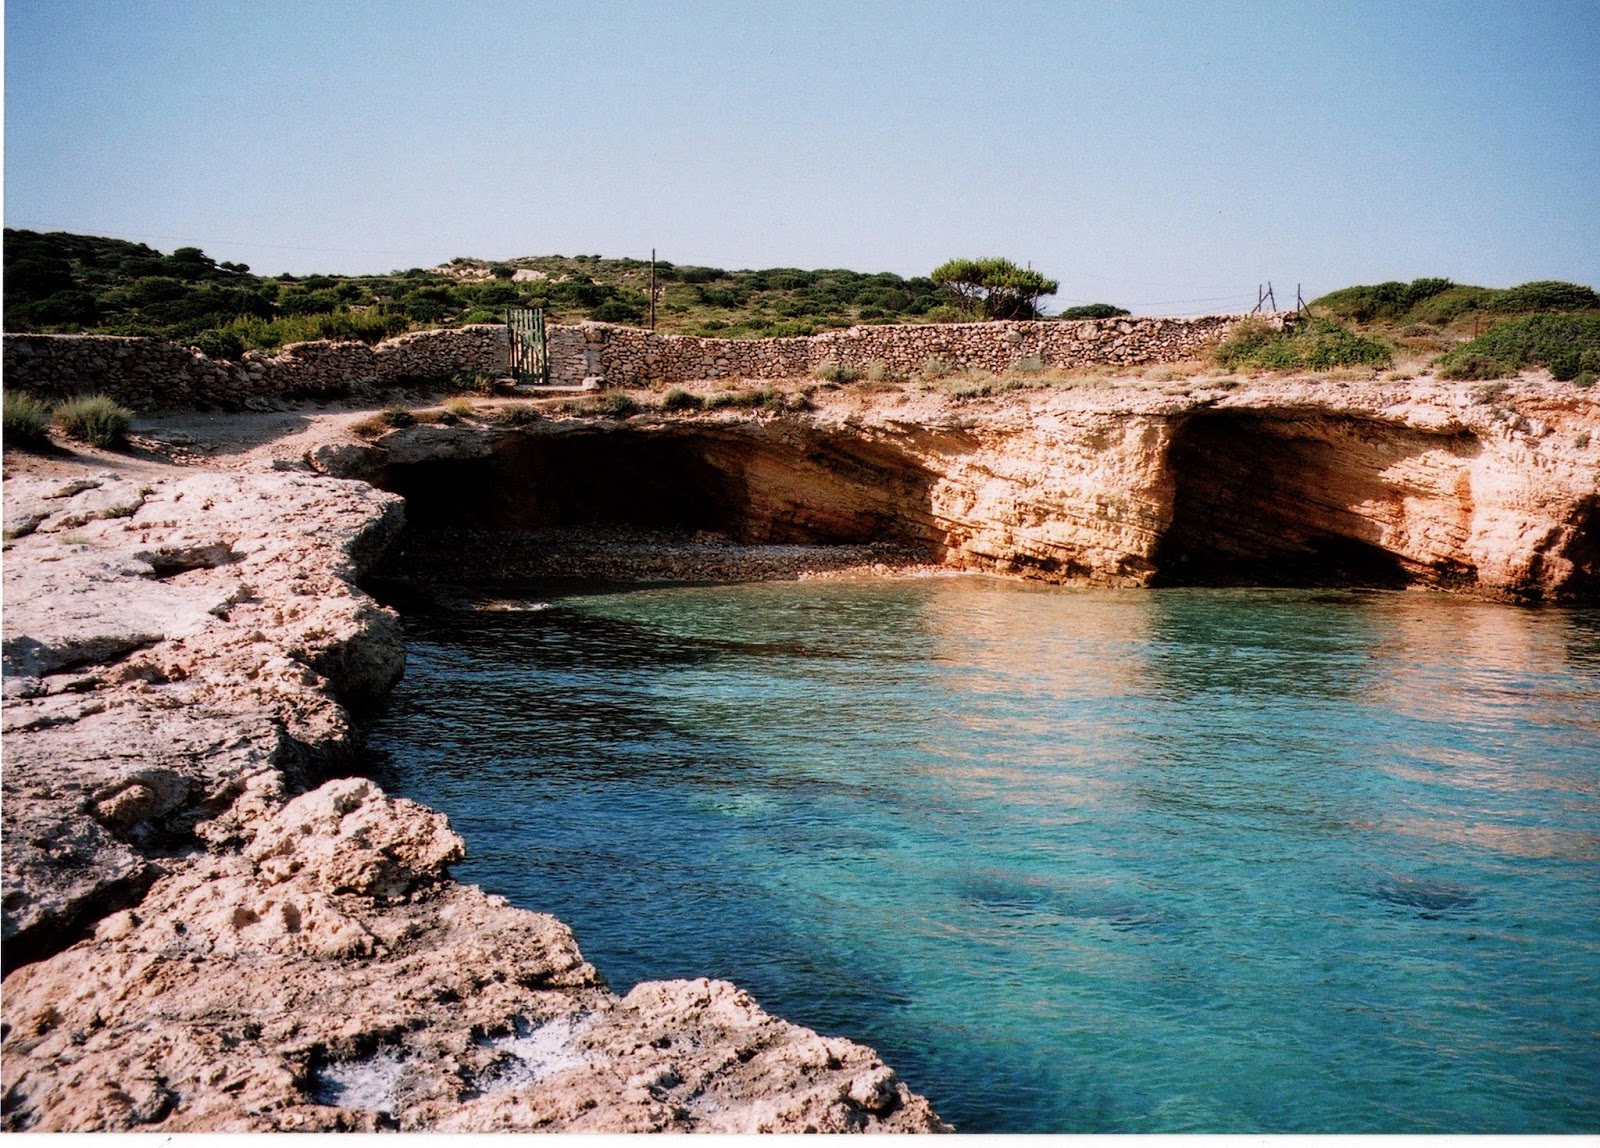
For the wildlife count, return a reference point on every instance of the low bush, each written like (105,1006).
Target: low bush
(761,398)
(1585,379)
(460,407)
(95,419)
(933,367)
(1093,311)
(617,406)
(1545,295)
(1311,345)
(1567,344)
(1391,300)
(398,417)
(1441,301)
(678,399)
(1473,367)
(877,371)
(25,420)
(519,415)
(833,372)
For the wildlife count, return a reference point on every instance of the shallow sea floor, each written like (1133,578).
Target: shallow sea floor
(1070,860)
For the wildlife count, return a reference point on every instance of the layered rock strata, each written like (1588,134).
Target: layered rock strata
(1432,485)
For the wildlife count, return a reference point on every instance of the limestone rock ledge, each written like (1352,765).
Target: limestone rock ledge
(192,947)
(331,977)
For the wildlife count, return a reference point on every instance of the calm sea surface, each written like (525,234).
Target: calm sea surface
(1071,860)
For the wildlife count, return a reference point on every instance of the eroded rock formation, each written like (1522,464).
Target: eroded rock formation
(179,658)
(329,976)
(1283,484)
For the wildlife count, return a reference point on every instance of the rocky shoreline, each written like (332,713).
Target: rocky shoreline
(211,924)
(264,948)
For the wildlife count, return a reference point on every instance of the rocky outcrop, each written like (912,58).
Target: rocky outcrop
(329,976)
(203,933)
(163,642)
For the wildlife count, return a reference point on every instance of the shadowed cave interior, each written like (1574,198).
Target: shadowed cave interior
(1258,498)
(809,488)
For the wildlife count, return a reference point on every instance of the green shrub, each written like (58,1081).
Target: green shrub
(1567,344)
(220,344)
(761,398)
(1312,345)
(1441,301)
(1585,379)
(1390,300)
(1473,366)
(520,415)
(830,371)
(618,406)
(25,420)
(933,367)
(877,371)
(1545,295)
(398,417)
(95,419)
(678,399)
(459,407)
(1093,311)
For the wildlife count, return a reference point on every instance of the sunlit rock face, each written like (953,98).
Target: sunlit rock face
(1275,484)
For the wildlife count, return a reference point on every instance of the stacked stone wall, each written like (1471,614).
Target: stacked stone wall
(151,374)
(629,356)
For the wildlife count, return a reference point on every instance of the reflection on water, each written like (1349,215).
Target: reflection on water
(1193,860)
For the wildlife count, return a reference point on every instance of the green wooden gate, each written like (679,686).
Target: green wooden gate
(530,356)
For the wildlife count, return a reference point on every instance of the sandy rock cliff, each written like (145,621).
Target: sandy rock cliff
(1425,484)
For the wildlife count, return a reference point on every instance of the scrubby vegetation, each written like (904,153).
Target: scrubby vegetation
(61,282)
(25,420)
(1093,311)
(1439,301)
(1307,345)
(832,372)
(1568,345)
(678,399)
(94,419)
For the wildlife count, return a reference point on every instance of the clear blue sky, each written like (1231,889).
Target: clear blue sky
(1166,157)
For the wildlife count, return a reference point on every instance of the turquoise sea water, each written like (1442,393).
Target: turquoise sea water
(1071,860)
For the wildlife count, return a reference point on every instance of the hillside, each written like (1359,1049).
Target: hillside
(59,282)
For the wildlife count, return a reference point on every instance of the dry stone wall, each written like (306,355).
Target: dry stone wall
(151,374)
(154,373)
(629,356)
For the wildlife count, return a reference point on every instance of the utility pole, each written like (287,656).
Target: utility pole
(652,288)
